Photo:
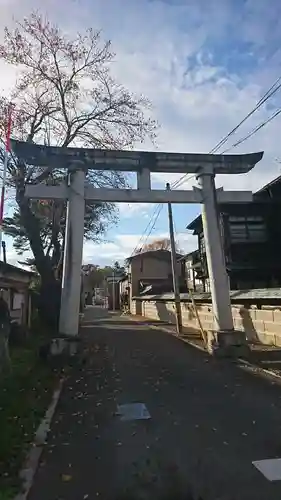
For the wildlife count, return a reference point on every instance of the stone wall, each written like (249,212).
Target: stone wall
(262,324)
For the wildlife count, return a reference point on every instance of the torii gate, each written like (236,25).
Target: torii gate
(78,160)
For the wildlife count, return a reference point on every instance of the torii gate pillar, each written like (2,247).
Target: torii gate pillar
(219,282)
(71,281)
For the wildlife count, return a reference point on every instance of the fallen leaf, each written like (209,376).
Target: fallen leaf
(66,477)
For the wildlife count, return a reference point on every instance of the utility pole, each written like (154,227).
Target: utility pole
(113,291)
(4,252)
(174,267)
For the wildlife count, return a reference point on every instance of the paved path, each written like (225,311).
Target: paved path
(209,421)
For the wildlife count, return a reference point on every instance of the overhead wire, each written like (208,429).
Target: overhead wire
(268,94)
(154,216)
(254,131)
(159,209)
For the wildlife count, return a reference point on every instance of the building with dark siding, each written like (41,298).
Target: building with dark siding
(251,237)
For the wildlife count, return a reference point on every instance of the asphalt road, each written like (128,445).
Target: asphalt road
(210,420)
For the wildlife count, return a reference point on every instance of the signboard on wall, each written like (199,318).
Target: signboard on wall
(18,300)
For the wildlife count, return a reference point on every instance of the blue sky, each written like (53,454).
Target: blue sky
(203,64)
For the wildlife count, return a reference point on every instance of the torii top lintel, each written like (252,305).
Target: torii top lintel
(130,161)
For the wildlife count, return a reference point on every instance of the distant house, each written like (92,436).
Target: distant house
(151,272)
(251,238)
(194,278)
(124,284)
(15,284)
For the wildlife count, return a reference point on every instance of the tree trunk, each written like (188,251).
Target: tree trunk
(49,303)
(50,289)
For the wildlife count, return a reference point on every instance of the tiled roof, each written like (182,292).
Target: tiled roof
(156,254)
(270,184)
(9,269)
(236,295)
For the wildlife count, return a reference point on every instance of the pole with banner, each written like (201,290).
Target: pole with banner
(5,165)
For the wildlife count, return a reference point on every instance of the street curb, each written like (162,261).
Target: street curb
(259,368)
(166,330)
(31,463)
(202,349)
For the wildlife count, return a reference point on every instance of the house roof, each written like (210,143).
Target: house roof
(124,278)
(270,185)
(115,278)
(154,254)
(194,223)
(254,295)
(9,269)
(189,254)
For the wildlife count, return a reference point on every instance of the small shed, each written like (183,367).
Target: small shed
(15,283)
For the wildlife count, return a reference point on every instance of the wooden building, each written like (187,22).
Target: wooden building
(14,285)
(151,272)
(251,238)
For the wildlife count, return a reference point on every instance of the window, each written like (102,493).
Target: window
(247,229)
(202,247)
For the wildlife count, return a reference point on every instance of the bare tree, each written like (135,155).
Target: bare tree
(158,244)
(64,95)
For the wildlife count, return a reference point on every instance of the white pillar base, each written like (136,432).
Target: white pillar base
(228,343)
(64,347)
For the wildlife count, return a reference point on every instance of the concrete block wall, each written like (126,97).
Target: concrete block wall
(263,325)
(133,307)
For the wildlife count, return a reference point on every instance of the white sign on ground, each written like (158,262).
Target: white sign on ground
(270,468)
(133,411)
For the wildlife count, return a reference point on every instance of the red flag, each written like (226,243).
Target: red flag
(9,128)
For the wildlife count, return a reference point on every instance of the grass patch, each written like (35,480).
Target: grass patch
(24,397)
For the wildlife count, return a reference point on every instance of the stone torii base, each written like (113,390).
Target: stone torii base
(228,344)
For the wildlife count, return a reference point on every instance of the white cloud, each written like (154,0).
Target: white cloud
(13,257)
(129,210)
(125,244)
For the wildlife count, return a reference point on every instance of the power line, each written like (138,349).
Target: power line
(254,131)
(179,181)
(155,215)
(269,93)
(160,207)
